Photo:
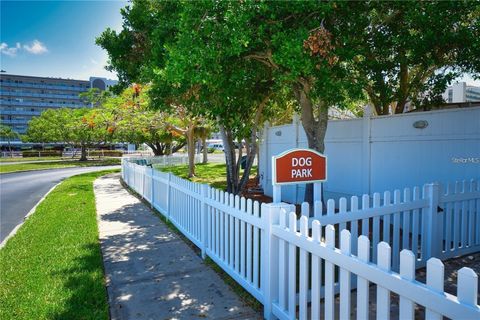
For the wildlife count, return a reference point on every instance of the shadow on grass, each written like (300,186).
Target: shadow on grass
(85,284)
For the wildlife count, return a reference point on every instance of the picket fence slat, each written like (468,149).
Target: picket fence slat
(316,272)
(435,278)
(376,224)
(406,221)
(471,216)
(396,228)
(256,248)
(363,295)
(464,216)
(345,285)
(282,266)
(249,242)
(354,222)
(292,268)
(305,209)
(329,276)
(237,243)
(456,218)
(477,210)
(342,209)
(407,271)
(383,295)
(303,271)
(415,223)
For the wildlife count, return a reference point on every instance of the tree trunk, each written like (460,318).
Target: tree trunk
(83,156)
(174,148)
(403,89)
(205,150)
(229,150)
(157,148)
(191,150)
(251,154)
(10,148)
(315,129)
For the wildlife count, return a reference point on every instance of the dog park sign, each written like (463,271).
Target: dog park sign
(298,166)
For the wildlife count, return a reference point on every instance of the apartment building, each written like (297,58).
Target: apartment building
(24,97)
(461,92)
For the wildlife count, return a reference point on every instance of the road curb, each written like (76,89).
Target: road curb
(32,211)
(46,169)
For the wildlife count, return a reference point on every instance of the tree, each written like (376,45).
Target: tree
(6,132)
(240,48)
(264,43)
(131,119)
(77,127)
(231,92)
(49,127)
(138,54)
(404,50)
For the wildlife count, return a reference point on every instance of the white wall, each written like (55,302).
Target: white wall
(375,154)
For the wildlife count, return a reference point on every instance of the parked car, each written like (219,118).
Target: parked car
(215,146)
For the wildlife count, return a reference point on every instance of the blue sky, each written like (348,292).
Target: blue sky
(56,38)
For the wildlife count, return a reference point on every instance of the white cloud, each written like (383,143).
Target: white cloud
(93,61)
(9,51)
(36,47)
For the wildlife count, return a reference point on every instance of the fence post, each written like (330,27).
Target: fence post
(269,255)
(144,174)
(167,215)
(432,221)
(152,188)
(134,178)
(204,219)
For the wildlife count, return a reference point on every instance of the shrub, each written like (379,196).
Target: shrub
(45,153)
(106,153)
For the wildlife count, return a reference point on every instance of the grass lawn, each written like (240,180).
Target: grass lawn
(57,164)
(52,268)
(214,174)
(7,159)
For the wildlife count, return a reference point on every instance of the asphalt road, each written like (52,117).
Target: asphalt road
(19,192)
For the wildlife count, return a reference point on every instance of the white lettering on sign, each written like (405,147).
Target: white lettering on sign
(301,173)
(301,162)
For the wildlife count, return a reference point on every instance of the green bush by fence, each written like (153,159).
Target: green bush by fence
(106,153)
(45,153)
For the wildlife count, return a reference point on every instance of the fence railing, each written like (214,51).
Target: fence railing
(299,273)
(165,161)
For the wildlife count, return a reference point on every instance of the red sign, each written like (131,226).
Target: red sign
(299,165)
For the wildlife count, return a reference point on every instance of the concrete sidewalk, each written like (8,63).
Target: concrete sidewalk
(151,273)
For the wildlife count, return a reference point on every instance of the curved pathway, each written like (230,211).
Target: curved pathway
(151,272)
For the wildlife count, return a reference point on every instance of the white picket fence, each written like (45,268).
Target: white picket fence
(437,223)
(298,273)
(165,161)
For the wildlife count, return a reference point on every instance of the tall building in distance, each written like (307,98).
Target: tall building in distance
(461,92)
(24,97)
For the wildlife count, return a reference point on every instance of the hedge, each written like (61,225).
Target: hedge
(106,153)
(45,153)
